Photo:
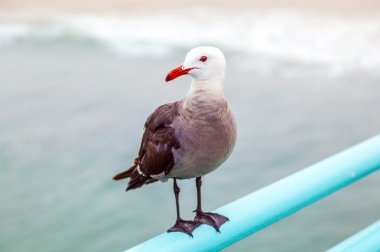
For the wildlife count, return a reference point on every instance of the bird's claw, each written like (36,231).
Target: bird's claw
(184,226)
(213,219)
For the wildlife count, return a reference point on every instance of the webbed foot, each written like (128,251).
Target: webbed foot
(184,226)
(213,219)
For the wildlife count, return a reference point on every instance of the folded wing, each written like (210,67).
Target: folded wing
(155,158)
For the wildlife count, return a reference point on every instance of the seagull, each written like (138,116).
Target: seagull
(188,138)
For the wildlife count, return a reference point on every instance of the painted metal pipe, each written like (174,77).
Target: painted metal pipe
(367,240)
(272,203)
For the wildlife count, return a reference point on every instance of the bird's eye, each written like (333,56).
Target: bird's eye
(203,58)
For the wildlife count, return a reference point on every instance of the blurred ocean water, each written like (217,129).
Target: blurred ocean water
(75,91)
(337,42)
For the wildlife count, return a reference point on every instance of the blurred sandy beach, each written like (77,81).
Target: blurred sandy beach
(128,5)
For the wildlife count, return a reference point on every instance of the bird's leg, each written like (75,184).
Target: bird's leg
(182,225)
(213,219)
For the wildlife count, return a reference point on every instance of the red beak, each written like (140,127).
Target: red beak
(176,72)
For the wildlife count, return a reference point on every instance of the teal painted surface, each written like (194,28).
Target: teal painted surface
(259,209)
(367,240)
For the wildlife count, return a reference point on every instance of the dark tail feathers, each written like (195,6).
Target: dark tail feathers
(137,180)
(124,174)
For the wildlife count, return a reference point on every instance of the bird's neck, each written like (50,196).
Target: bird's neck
(205,88)
(204,94)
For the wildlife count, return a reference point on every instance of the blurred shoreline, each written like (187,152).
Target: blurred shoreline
(289,39)
(119,6)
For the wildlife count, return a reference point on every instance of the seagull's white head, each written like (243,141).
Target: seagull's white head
(204,63)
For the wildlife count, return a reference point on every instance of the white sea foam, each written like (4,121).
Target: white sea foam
(291,37)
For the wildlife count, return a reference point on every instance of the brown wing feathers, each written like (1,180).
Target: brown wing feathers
(155,155)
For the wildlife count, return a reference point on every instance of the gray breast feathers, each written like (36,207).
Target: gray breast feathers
(207,133)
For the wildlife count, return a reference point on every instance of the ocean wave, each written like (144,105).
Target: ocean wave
(287,36)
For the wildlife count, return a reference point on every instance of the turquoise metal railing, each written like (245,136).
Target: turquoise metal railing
(259,209)
(367,240)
